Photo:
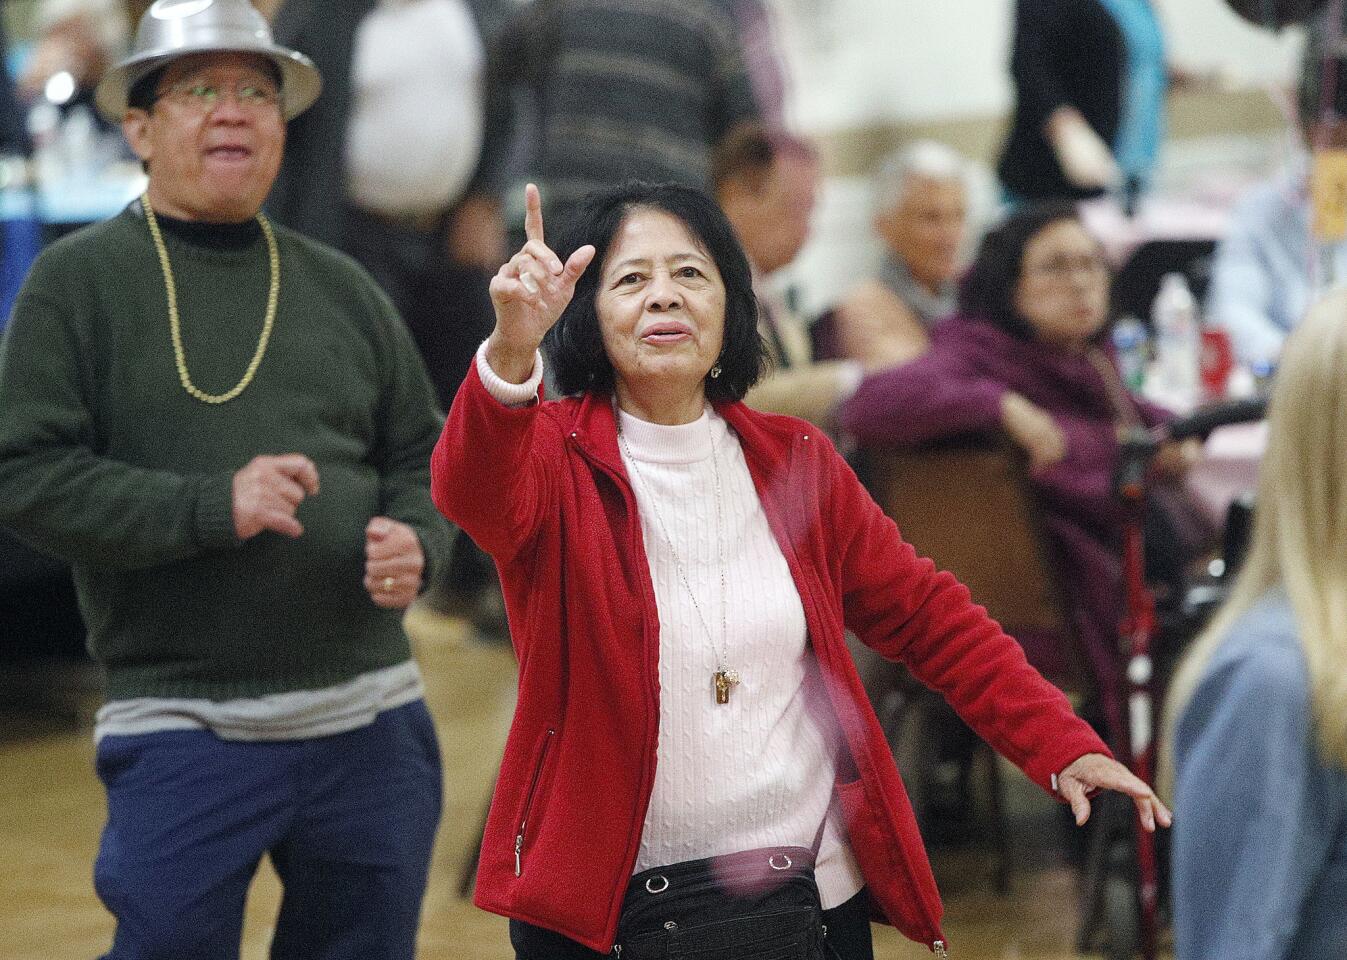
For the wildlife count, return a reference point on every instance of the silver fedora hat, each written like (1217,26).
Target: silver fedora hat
(177,28)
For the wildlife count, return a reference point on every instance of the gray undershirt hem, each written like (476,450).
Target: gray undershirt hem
(296,715)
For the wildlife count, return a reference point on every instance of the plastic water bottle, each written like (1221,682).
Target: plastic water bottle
(1178,345)
(1129,343)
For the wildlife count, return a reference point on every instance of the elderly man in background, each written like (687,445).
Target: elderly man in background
(921,215)
(225,428)
(766,182)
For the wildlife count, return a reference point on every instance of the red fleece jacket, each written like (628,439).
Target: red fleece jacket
(542,489)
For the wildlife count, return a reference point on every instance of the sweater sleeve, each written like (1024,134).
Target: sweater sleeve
(937,395)
(410,423)
(57,491)
(1251,832)
(900,605)
(490,472)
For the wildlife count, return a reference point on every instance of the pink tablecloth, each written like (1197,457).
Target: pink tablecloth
(1228,467)
(1158,218)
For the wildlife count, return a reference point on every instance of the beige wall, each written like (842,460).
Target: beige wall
(859,64)
(1196,113)
(869,75)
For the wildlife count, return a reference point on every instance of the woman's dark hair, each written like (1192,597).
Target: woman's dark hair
(574,345)
(988,289)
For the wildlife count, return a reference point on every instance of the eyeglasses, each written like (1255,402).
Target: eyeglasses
(1057,269)
(203,95)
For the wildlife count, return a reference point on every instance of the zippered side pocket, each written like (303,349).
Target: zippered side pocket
(528,803)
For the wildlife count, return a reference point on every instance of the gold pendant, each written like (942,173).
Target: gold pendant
(725,680)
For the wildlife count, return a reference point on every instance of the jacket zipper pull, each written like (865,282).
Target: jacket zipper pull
(617,950)
(940,951)
(518,855)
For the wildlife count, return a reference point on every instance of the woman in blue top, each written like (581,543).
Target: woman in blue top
(1090,83)
(1260,704)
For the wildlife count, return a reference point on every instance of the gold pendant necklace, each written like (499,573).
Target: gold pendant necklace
(175,323)
(724,679)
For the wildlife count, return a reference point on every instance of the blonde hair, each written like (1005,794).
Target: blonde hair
(1300,528)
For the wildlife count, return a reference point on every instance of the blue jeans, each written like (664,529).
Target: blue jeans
(348,821)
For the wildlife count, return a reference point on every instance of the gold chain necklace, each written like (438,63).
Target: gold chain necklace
(175,323)
(724,679)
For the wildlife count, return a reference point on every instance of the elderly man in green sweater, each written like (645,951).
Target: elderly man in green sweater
(225,428)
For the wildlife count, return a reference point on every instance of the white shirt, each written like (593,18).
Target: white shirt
(417,108)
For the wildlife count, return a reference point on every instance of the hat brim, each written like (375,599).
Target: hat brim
(300,80)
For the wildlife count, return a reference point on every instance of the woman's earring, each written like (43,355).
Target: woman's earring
(715,371)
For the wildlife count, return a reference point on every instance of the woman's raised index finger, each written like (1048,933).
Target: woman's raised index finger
(533,213)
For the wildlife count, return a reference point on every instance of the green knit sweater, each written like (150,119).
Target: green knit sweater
(106,461)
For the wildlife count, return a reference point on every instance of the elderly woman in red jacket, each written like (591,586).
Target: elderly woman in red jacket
(693,758)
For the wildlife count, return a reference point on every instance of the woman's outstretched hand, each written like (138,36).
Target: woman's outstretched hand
(529,293)
(1094,771)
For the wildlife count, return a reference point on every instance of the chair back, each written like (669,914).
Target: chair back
(967,506)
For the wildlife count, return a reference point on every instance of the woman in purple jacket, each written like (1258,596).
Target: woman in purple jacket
(1026,355)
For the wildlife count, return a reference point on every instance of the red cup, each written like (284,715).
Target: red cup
(1217,362)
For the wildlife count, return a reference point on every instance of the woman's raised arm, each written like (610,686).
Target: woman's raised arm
(529,293)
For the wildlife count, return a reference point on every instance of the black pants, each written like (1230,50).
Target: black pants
(848,933)
(445,305)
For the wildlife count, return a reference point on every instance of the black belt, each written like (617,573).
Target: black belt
(756,903)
